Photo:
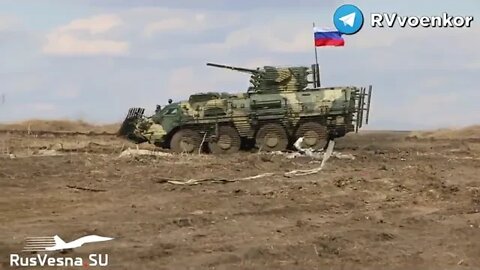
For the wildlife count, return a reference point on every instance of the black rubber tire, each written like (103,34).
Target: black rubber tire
(228,141)
(185,141)
(314,135)
(271,137)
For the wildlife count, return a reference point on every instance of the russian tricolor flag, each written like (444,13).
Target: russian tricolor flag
(324,37)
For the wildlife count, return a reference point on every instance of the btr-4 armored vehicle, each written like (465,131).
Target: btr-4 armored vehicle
(281,105)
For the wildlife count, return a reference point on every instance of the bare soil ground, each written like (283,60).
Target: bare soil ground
(405,202)
(59,126)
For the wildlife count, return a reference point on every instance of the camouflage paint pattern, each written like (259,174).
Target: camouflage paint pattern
(277,94)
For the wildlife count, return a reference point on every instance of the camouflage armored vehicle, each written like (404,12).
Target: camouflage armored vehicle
(281,105)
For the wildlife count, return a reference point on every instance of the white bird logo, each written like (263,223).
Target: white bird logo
(49,243)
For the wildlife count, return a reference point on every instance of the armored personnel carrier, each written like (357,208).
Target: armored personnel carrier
(281,105)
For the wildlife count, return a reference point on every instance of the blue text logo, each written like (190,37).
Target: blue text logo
(348,19)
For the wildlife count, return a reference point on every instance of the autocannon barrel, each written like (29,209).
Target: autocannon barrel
(240,69)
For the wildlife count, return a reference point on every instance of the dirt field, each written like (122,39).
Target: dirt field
(403,203)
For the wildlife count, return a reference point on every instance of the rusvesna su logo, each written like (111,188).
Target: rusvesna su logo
(38,252)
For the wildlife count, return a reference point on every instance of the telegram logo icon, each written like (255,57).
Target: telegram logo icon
(348,19)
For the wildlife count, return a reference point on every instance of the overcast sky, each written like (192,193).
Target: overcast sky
(93,59)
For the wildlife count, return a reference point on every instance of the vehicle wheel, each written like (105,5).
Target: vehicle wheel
(314,135)
(271,137)
(227,142)
(185,141)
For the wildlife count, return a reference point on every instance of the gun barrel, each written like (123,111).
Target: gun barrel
(247,70)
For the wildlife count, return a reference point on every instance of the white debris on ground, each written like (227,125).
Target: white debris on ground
(326,155)
(323,155)
(48,152)
(10,156)
(309,152)
(39,153)
(315,154)
(142,152)
(301,152)
(343,156)
(215,180)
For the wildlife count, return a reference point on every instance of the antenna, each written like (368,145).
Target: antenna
(3,99)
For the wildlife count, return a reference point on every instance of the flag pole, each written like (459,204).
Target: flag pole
(314,46)
(317,75)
